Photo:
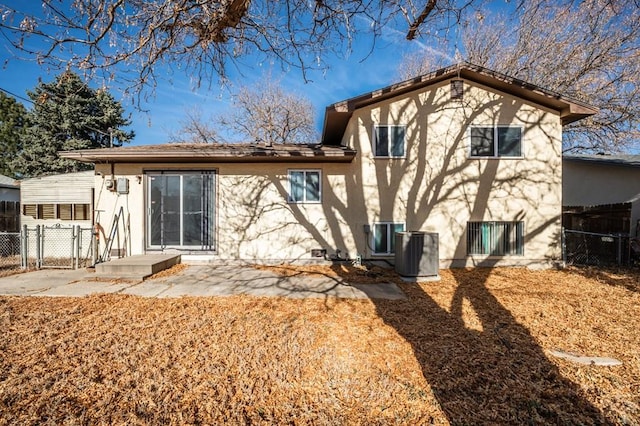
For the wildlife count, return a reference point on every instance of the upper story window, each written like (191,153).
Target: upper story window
(304,186)
(389,140)
(496,141)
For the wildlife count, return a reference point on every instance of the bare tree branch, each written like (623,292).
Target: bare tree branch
(588,50)
(431,4)
(260,113)
(129,39)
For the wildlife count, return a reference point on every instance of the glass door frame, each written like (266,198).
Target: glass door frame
(211,216)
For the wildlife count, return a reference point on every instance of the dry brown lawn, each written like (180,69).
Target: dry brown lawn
(470,349)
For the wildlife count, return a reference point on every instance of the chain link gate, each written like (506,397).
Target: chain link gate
(596,249)
(63,247)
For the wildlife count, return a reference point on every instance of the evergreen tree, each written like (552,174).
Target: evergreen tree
(12,122)
(68,115)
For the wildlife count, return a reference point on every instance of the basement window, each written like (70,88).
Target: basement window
(495,238)
(384,237)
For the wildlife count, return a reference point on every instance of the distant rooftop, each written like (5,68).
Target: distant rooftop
(7,182)
(627,160)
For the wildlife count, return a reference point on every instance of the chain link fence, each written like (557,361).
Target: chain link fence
(56,246)
(595,249)
(9,251)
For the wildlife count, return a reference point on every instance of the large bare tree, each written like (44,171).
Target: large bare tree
(263,112)
(130,38)
(589,50)
(194,128)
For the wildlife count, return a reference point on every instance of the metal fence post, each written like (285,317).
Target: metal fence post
(619,253)
(563,246)
(24,251)
(74,248)
(78,246)
(39,248)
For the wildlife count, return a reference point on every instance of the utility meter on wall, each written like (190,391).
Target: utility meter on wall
(122,186)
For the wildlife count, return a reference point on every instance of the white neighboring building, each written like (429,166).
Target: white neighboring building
(64,199)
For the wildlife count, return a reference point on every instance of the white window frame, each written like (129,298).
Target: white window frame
(375,141)
(304,195)
(390,236)
(496,140)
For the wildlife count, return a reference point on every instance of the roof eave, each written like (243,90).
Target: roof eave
(602,160)
(274,156)
(570,110)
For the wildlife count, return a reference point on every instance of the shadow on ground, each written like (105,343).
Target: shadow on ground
(627,278)
(495,373)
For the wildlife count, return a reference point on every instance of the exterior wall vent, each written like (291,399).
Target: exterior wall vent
(457,90)
(417,254)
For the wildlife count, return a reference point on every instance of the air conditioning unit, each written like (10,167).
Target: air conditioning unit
(417,255)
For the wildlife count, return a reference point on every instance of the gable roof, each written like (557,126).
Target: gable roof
(337,115)
(625,160)
(213,153)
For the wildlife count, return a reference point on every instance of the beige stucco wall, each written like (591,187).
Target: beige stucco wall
(435,187)
(594,184)
(253,218)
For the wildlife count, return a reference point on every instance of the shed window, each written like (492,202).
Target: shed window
(80,212)
(57,211)
(30,210)
(46,211)
(65,212)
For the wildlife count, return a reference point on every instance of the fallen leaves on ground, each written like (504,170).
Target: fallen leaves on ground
(348,273)
(469,349)
(169,272)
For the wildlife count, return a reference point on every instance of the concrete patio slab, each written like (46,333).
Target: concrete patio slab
(195,281)
(37,282)
(136,267)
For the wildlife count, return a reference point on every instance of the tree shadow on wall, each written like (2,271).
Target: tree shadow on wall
(493,372)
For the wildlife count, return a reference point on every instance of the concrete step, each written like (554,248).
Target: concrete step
(136,267)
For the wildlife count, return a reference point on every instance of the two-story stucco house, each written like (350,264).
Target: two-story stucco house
(471,154)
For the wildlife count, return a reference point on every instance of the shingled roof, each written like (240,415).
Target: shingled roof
(338,114)
(213,153)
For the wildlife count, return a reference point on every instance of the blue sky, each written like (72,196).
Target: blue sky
(360,71)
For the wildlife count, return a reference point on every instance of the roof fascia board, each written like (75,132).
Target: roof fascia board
(569,109)
(113,156)
(603,160)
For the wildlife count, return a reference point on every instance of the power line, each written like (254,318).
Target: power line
(17,96)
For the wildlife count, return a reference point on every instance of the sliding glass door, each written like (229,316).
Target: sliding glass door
(181,210)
